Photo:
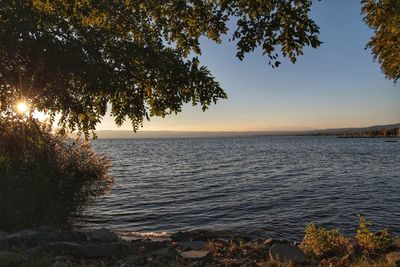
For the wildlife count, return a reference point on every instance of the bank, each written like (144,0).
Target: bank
(47,246)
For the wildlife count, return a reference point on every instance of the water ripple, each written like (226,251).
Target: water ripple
(271,186)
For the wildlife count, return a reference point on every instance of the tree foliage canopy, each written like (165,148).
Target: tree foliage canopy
(383,16)
(136,56)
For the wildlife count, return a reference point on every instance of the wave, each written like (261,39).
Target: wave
(143,234)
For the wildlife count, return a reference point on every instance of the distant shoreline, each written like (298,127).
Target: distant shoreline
(395,138)
(378,131)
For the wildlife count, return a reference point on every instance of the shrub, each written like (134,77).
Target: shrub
(323,243)
(44,177)
(372,243)
(366,262)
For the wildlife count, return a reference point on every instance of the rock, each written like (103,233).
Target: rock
(250,253)
(26,237)
(185,236)
(65,247)
(270,242)
(22,235)
(262,247)
(104,235)
(149,246)
(45,229)
(286,253)
(89,250)
(193,245)
(77,236)
(163,256)
(58,236)
(196,235)
(393,258)
(196,255)
(134,246)
(70,236)
(3,234)
(99,250)
(134,260)
(168,253)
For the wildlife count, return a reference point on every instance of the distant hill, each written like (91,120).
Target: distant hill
(372,131)
(122,134)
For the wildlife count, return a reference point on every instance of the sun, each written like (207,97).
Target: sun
(22,107)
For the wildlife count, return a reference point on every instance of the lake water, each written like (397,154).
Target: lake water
(264,186)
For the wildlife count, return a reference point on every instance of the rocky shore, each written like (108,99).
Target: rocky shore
(47,246)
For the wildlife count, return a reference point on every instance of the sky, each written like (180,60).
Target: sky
(336,85)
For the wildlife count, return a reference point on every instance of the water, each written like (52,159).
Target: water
(264,186)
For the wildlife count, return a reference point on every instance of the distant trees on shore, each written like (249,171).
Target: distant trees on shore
(385,132)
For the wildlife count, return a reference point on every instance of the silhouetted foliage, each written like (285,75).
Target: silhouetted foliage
(45,178)
(383,16)
(78,57)
(139,58)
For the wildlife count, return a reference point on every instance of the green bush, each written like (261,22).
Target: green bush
(44,177)
(321,243)
(372,243)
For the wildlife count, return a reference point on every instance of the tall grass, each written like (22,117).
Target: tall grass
(45,178)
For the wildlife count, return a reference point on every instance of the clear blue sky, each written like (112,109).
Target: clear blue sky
(336,85)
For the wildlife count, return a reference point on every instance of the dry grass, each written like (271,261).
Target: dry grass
(45,177)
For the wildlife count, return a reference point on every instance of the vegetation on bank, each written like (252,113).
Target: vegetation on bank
(320,247)
(321,244)
(45,177)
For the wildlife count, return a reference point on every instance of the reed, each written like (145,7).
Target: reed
(46,178)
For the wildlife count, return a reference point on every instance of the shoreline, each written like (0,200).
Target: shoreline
(48,246)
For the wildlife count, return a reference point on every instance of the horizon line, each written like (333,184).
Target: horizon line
(253,131)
